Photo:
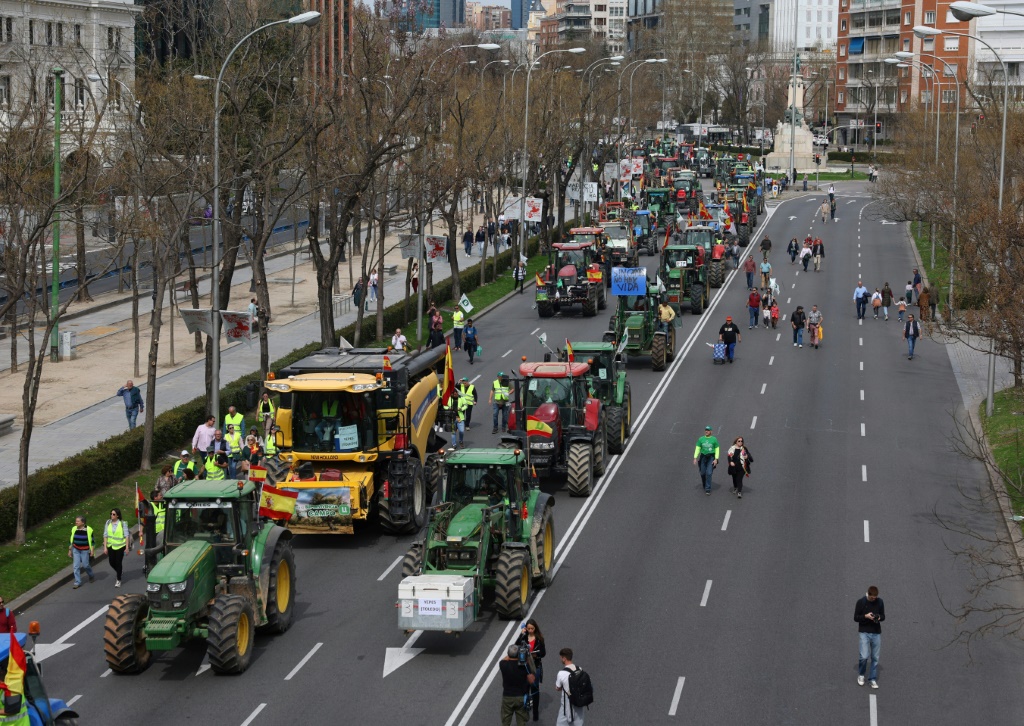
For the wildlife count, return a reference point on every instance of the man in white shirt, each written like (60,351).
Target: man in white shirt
(568,715)
(398,341)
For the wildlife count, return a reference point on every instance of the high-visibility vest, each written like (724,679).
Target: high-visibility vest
(116,539)
(462,406)
(266,407)
(236,420)
(234,441)
(88,534)
(213,472)
(160,510)
(18,719)
(271,446)
(458,318)
(329,410)
(469,392)
(191,466)
(500,392)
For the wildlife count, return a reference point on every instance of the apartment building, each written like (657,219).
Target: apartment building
(601,20)
(752,21)
(641,16)
(488,17)
(811,22)
(1005,33)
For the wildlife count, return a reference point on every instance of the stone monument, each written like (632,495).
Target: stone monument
(793,131)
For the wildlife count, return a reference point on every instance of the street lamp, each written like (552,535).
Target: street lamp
(874,132)
(526,139)
(503,61)
(649,61)
(58,78)
(307,19)
(924,31)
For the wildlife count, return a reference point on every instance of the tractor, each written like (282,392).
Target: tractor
(687,190)
(685,278)
(608,381)
(635,329)
(706,236)
(39,710)
(644,230)
(741,217)
(492,533)
(612,211)
(620,247)
(562,423)
(573,277)
(220,574)
(658,201)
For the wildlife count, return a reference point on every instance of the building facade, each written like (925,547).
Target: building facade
(332,40)
(752,21)
(641,16)
(813,22)
(1005,33)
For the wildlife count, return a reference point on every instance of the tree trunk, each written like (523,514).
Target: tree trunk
(83,285)
(135,302)
(160,287)
(30,397)
(12,324)
(193,284)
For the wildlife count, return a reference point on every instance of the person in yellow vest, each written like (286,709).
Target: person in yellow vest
(459,429)
(182,465)
(234,418)
(458,323)
(270,445)
(117,539)
(468,391)
(328,416)
(266,412)
(19,714)
(156,501)
(498,398)
(234,439)
(216,465)
(80,550)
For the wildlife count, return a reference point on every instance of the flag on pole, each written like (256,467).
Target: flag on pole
(387,363)
(568,351)
(668,234)
(448,384)
(17,666)
(538,428)
(140,499)
(704,213)
(537,279)
(277,503)
(746,208)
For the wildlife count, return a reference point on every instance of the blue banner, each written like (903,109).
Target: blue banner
(629,281)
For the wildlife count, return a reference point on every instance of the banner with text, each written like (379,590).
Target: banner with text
(534,209)
(629,281)
(435,248)
(237,326)
(197,321)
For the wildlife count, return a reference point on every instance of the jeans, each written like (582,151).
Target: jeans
(798,335)
(471,349)
(750,280)
(131,414)
(459,432)
(81,562)
(862,307)
(899,314)
(458,337)
(911,342)
(499,409)
(885,311)
(870,647)
(730,350)
(807,260)
(753,316)
(792,256)
(706,465)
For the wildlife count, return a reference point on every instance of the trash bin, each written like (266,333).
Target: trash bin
(252,393)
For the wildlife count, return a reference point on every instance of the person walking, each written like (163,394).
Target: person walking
(831,192)
(766,247)
(470,339)
(775,314)
(266,412)
(908,292)
(924,299)
(183,464)
(729,334)
(705,458)
(901,309)
(824,209)
(235,441)
(531,637)
(7,622)
(481,239)
(860,296)
(166,479)
(459,427)
(133,404)
(498,398)
(832,210)
(516,682)
(793,249)
(358,296)
(886,300)
(911,332)
(467,242)
(766,274)
(414,276)
(204,434)
(519,277)
(753,305)
(798,320)
(876,302)
(234,418)
(740,459)
(458,324)
(869,613)
(818,252)
(468,391)
(436,336)
(749,267)
(766,307)
(81,551)
(805,256)
(568,713)
(373,285)
(814,321)
(917,282)
(399,341)
(254,314)
(117,539)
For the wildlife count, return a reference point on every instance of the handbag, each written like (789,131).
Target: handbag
(480,352)
(821,332)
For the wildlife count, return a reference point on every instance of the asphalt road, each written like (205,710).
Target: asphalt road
(684,608)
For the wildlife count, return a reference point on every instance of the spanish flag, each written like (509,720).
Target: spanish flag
(387,363)
(568,351)
(704,213)
(277,503)
(537,279)
(14,683)
(539,428)
(745,207)
(595,276)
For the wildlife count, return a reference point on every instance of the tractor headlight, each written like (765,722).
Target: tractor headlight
(153,587)
(178,586)
(466,555)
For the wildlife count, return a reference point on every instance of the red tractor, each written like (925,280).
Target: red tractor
(564,426)
(574,276)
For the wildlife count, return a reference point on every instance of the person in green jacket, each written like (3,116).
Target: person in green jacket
(705,457)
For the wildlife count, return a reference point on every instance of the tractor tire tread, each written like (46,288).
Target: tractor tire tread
(658,353)
(123,653)
(508,575)
(581,470)
(222,645)
(277,621)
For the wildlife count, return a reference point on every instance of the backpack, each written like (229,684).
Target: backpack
(581,690)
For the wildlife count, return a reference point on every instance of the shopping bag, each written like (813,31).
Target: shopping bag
(480,352)
(821,332)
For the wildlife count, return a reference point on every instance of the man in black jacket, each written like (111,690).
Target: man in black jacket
(869,614)
(515,688)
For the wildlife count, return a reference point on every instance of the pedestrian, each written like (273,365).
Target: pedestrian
(81,550)
(357,293)
(831,192)
(740,459)
(399,341)
(458,323)
(166,479)
(519,277)
(436,316)
(825,206)
(818,252)
(860,296)
(133,404)
(753,303)
(234,418)
(254,314)
(736,254)
(467,242)
(911,332)
(924,300)
(901,309)
(775,313)
(233,438)
(868,613)
(215,465)
(481,239)
(766,307)
(491,230)
(7,621)
(252,453)
(470,339)
(805,256)
(468,391)
(373,285)
(917,282)
(415,275)
(876,302)
(886,300)
(183,464)
(705,458)
(814,322)
(498,398)
(516,682)
(436,336)
(832,210)
(750,267)
(766,247)
(117,539)
(805,182)
(766,273)
(798,320)
(531,637)
(204,434)
(265,412)
(793,249)
(569,714)
(933,301)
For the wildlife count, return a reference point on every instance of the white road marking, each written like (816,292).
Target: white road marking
(507,352)
(534,331)
(862,430)
(867,533)
(392,566)
(395,658)
(707,592)
(862,365)
(862,394)
(862,341)
(858,244)
(45,650)
(873,709)
(860,321)
(783,318)
(852,201)
(304,660)
(763,386)
(772,359)
(863,472)
(754,422)
(73,699)
(858,254)
(778,337)
(788,300)
(725,524)
(858,264)
(797,274)
(475,378)
(676,695)
(106,673)
(793,285)
(254,714)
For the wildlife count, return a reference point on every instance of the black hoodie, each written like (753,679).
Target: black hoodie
(865,606)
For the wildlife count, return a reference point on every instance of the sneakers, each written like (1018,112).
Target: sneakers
(117,583)
(707,492)
(794,345)
(739,495)
(801,346)
(76,586)
(860,680)
(92,579)
(494,431)
(874,684)
(733,490)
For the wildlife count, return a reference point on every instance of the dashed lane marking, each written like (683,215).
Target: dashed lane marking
(863,430)
(707,593)
(392,566)
(676,695)
(862,394)
(534,331)
(304,660)
(763,386)
(873,709)
(863,472)
(254,714)
(507,353)
(753,423)
(725,524)
(862,365)
(73,699)
(867,532)
(106,673)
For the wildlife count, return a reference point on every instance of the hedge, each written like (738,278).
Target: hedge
(864,157)
(62,485)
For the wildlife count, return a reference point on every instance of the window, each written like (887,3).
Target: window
(842,96)
(80,92)
(874,46)
(949,96)
(78,34)
(110,38)
(842,50)
(856,46)
(842,74)
(739,11)
(926,96)
(906,44)
(843,3)
(928,44)
(31,32)
(950,18)
(842,24)
(5,90)
(60,33)
(929,17)
(819,16)
(6,30)
(951,42)
(49,33)
(49,91)
(875,19)
(906,18)
(950,70)
(808,16)
(892,17)
(903,96)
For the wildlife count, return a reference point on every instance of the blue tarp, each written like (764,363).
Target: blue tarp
(856,46)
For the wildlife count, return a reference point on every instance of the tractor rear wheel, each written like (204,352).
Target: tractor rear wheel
(600,447)
(696,298)
(417,503)
(432,472)
(670,345)
(602,297)
(512,584)
(545,310)
(281,589)
(627,403)
(231,634)
(658,353)
(616,429)
(744,234)
(124,643)
(544,548)
(412,562)
(590,304)
(277,470)
(716,273)
(581,470)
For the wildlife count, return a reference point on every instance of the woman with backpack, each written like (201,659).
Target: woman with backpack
(117,539)
(531,636)
(740,459)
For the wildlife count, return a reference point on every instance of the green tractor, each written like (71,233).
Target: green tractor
(635,328)
(684,277)
(608,382)
(220,574)
(491,537)
(658,199)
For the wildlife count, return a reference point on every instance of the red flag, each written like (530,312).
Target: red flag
(668,233)
(17,666)
(277,503)
(568,350)
(387,363)
(448,384)
(139,499)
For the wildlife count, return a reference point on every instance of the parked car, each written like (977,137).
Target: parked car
(821,140)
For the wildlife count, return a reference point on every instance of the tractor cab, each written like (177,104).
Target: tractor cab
(612,211)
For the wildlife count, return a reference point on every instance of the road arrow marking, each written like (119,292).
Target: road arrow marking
(395,658)
(792,218)
(204,666)
(886,221)
(45,650)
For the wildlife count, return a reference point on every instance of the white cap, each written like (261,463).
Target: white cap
(184,453)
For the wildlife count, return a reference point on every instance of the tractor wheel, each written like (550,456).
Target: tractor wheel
(418,505)
(281,589)
(432,473)
(590,306)
(545,310)
(124,643)
(277,470)
(512,584)
(581,470)
(616,429)
(716,273)
(608,337)
(231,633)
(600,447)
(627,403)
(744,234)
(544,546)
(697,298)
(412,563)
(670,345)
(602,298)
(658,351)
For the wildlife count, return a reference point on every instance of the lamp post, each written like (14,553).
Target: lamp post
(526,140)
(796,62)
(614,60)
(874,132)
(973,10)
(618,116)
(648,61)
(58,78)
(307,19)
(503,61)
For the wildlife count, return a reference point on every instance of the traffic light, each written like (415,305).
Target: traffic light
(878,127)
(817,159)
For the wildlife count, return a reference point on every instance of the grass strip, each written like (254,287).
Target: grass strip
(1003,431)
